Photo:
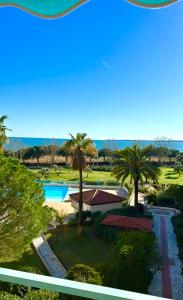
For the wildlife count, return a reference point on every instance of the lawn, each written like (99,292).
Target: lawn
(169,177)
(66,174)
(29,258)
(73,249)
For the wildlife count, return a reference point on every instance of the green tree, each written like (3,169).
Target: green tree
(79,147)
(33,152)
(22,215)
(178,168)
(52,150)
(135,163)
(105,152)
(3,130)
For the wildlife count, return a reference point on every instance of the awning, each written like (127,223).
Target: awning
(58,8)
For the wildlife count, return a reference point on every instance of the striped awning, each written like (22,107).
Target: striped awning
(58,8)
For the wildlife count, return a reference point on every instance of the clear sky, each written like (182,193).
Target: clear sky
(109,68)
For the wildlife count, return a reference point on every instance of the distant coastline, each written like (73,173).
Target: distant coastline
(16,143)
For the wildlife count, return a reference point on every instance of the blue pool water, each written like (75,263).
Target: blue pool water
(55,193)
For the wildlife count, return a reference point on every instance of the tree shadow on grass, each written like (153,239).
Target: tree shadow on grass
(73,179)
(171,175)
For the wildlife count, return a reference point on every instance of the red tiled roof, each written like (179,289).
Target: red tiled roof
(142,224)
(96,197)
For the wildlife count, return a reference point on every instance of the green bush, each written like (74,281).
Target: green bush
(107,233)
(94,182)
(174,195)
(18,289)
(42,295)
(7,296)
(177,222)
(85,214)
(84,273)
(152,199)
(134,257)
(165,201)
(101,168)
(125,211)
(111,183)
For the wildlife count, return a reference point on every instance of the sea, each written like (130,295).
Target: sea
(16,143)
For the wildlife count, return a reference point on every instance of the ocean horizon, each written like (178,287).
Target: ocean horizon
(16,143)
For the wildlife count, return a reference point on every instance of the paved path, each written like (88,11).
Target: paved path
(168,282)
(51,262)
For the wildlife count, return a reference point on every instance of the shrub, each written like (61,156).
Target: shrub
(95,215)
(42,295)
(125,211)
(85,214)
(106,233)
(101,168)
(111,183)
(18,289)
(174,195)
(152,199)
(84,273)
(57,217)
(134,255)
(31,269)
(165,201)
(7,296)
(141,209)
(177,222)
(94,183)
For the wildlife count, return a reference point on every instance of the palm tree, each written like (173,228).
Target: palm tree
(3,129)
(79,147)
(134,162)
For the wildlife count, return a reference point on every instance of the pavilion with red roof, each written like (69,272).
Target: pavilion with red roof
(128,223)
(97,200)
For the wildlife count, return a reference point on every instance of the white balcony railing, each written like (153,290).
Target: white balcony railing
(70,287)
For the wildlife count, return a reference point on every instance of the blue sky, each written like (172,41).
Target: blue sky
(109,68)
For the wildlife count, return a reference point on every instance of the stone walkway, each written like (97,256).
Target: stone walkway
(168,282)
(51,262)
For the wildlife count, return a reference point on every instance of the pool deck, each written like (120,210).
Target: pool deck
(65,206)
(62,207)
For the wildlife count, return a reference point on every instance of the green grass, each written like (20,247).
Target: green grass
(72,248)
(70,175)
(167,176)
(29,258)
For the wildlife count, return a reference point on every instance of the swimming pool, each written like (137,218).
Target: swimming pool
(55,193)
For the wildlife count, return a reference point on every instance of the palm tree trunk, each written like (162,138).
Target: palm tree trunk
(136,185)
(80,201)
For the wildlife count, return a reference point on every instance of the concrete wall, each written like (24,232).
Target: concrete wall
(94,208)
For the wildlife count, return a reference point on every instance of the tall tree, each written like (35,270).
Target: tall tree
(135,164)
(22,214)
(79,147)
(3,130)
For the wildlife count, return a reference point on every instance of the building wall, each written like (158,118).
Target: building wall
(105,207)
(101,207)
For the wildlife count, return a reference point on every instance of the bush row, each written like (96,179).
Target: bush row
(177,222)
